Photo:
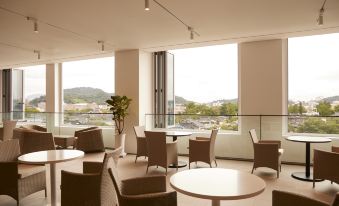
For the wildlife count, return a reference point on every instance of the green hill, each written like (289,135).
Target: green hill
(331,99)
(85,95)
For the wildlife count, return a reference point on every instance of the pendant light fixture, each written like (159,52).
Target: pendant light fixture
(320,18)
(37,52)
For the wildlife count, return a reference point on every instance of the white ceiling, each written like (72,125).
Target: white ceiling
(124,24)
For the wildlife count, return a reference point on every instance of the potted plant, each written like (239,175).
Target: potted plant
(119,105)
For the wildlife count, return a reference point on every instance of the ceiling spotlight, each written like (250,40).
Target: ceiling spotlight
(35,24)
(191,30)
(102,45)
(146,5)
(320,19)
(37,52)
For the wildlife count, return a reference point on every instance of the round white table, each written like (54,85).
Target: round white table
(217,184)
(307,175)
(175,135)
(51,157)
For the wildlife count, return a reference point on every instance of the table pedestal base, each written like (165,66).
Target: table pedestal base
(302,176)
(180,164)
(215,202)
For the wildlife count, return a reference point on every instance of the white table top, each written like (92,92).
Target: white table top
(50,156)
(217,184)
(178,133)
(310,139)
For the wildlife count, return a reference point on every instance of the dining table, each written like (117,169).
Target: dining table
(308,140)
(175,135)
(51,157)
(217,184)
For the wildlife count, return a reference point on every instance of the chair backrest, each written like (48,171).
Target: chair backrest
(156,148)
(253,135)
(83,130)
(34,127)
(139,131)
(108,191)
(335,149)
(34,141)
(90,141)
(9,126)
(324,160)
(113,173)
(212,140)
(9,150)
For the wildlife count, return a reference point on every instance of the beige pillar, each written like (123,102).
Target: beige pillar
(53,94)
(133,78)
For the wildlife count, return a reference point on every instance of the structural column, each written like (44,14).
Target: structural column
(133,78)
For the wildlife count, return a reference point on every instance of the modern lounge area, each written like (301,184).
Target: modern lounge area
(154,102)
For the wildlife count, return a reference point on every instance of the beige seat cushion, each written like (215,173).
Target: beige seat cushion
(26,170)
(281,151)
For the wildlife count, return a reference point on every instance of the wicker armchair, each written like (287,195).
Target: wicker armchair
(202,149)
(325,166)
(160,153)
(94,187)
(281,198)
(143,191)
(267,153)
(34,141)
(18,180)
(6,132)
(141,141)
(89,140)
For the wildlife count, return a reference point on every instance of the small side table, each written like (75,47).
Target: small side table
(64,141)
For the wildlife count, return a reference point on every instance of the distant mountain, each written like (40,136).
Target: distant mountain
(222,101)
(181,100)
(33,96)
(331,99)
(85,95)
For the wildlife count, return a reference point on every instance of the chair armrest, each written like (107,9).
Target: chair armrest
(271,142)
(165,198)
(143,185)
(281,198)
(92,167)
(203,138)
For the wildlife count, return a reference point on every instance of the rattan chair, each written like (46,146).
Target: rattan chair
(141,141)
(267,153)
(281,198)
(94,187)
(34,141)
(89,140)
(18,180)
(202,149)
(6,132)
(142,191)
(325,166)
(160,153)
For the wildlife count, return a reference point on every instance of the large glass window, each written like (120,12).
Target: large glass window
(35,88)
(87,84)
(313,88)
(206,87)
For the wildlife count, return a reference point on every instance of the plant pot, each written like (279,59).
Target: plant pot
(120,142)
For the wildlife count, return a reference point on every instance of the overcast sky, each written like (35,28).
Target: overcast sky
(210,73)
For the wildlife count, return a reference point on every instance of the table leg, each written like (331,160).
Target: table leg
(215,202)
(53,184)
(308,159)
